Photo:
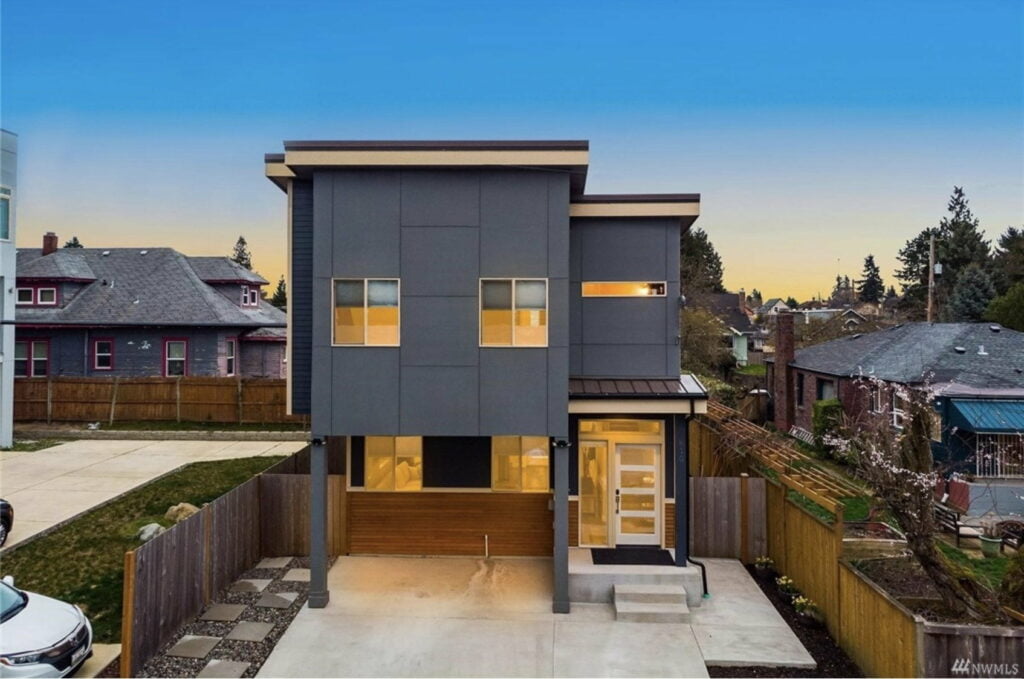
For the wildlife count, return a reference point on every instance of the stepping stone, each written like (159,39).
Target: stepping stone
(277,599)
(249,586)
(230,669)
(193,646)
(223,612)
(250,631)
(275,562)
(297,575)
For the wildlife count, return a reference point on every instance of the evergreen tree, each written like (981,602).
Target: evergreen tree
(971,296)
(1008,310)
(700,263)
(870,288)
(280,298)
(755,299)
(890,293)
(74,243)
(241,255)
(913,275)
(792,303)
(1008,263)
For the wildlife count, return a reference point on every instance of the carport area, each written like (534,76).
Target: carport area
(461,617)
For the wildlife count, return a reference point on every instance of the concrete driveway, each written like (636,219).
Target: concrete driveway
(55,484)
(464,617)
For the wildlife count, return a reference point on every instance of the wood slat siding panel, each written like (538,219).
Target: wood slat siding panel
(284,515)
(875,632)
(670,526)
(519,524)
(202,399)
(574,523)
(945,644)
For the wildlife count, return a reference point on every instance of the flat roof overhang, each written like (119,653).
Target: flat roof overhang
(684,395)
(683,206)
(301,158)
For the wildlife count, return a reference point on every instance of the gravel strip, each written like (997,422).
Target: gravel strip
(254,653)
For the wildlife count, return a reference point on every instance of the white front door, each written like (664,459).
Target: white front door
(637,489)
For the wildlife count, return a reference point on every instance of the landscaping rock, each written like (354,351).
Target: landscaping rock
(181,511)
(149,531)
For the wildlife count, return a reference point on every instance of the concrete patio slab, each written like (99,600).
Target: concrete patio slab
(728,646)
(625,649)
(227,669)
(250,631)
(297,575)
(223,612)
(102,655)
(274,562)
(277,599)
(193,646)
(250,586)
(56,484)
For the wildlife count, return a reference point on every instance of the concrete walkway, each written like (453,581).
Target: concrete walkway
(50,486)
(463,617)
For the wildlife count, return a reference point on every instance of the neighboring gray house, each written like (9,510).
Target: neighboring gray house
(742,336)
(142,312)
(497,352)
(8,196)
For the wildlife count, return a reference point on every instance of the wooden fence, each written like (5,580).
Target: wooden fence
(179,399)
(727,517)
(171,578)
(881,635)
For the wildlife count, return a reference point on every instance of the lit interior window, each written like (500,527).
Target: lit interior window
(624,289)
(394,463)
(531,314)
(382,312)
(519,463)
(366,312)
(514,312)
(620,426)
(349,312)
(496,313)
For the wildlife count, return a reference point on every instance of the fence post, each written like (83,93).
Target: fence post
(113,399)
(127,614)
(49,400)
(240,407)
(744,519)
(177,399)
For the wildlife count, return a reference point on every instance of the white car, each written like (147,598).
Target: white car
(40,636)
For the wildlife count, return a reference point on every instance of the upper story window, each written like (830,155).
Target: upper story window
(519,463)
(513,312)
(175,358)
(5,213)
(229,357)
(32,358)
(624,289)
(103,354)
(26,296)
(250,295)
(394,463)
(46,296)
(366,312)
(36,295)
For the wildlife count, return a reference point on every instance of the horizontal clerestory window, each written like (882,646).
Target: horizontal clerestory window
(366,312)
(624,289)
(513,312)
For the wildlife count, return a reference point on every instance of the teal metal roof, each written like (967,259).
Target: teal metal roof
(989,415)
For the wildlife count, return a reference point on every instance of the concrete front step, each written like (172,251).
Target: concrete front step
(640,611)
(654,594)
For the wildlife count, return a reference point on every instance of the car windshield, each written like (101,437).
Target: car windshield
(11,601)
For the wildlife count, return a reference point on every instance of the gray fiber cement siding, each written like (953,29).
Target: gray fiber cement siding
(439,232)
(624,336)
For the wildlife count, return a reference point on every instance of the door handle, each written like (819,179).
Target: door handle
(617,498)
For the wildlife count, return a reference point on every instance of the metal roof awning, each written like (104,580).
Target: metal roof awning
(988,416)
(683,395)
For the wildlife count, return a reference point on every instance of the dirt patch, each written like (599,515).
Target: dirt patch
(832,660)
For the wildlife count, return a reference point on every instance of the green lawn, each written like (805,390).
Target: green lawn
(83,562)
(32,445)
(203,426)
(755,370)
(988,572)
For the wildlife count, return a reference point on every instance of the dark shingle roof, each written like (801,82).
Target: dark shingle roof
(64,263)
(222,269)
(726,306)
(967,358)
(160,287)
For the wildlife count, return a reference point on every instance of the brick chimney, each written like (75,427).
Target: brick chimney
(782,388)
(742,295)
(49,243)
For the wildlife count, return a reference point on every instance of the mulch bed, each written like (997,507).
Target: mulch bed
(254,653)
(832,660)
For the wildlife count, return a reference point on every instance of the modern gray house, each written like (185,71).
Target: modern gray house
(8,196)
(138,312)
(493,353)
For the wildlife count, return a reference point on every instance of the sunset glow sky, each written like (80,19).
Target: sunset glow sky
(816,132)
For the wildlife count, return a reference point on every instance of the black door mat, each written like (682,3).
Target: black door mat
(632,556)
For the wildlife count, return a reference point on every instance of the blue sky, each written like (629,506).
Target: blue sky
(817,132)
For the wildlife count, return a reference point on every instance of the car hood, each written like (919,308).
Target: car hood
(42,623)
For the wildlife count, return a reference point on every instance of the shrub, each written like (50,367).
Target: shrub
(1011,590)
(826,419)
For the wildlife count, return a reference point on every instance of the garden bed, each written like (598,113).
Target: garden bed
(832,660)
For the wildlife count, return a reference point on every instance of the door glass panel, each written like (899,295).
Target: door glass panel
(634,525)
(593,493)
(637,456)
(637,503)
(633,479)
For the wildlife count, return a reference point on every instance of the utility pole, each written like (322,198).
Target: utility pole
(931,276)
